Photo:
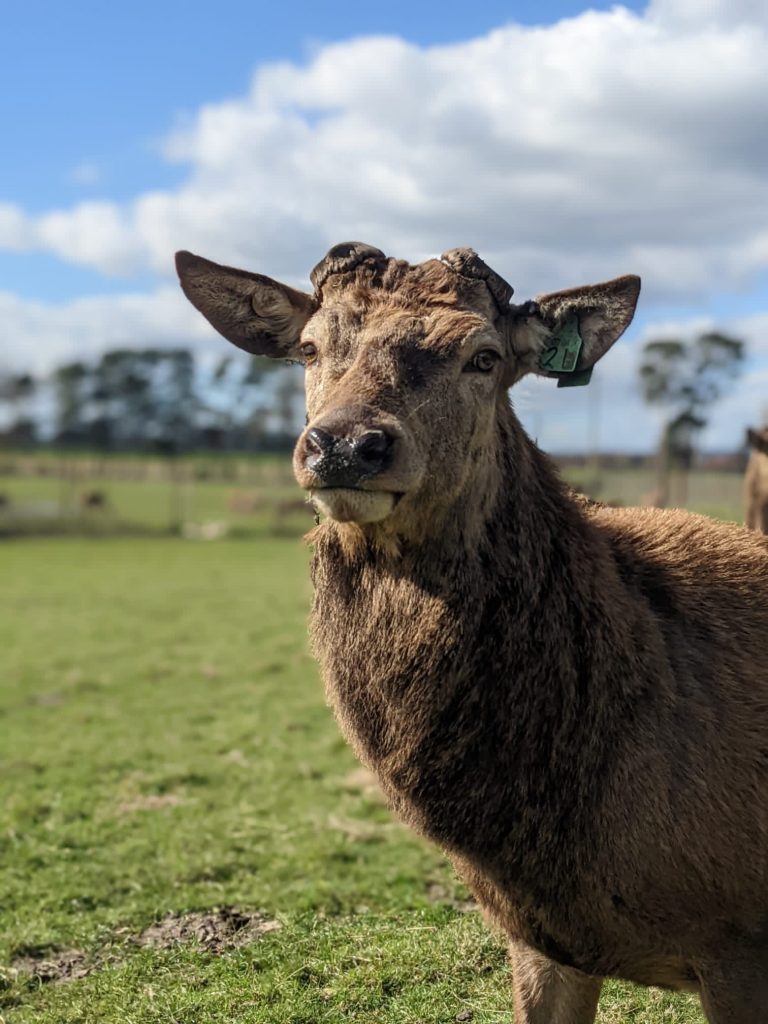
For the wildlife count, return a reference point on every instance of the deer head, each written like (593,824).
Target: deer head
(407,368)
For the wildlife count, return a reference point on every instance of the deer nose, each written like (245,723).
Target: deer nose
(346,461)
(372,448)
(318,442)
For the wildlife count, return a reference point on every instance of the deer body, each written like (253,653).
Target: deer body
(571,700)
(756,481)
(536,707)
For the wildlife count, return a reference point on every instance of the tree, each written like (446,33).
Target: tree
(143,396)
(17,391)
(72,390)
(253,404)
(686,379)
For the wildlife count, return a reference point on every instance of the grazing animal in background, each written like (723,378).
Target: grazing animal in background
(93,501)
(756,481)
(570,699)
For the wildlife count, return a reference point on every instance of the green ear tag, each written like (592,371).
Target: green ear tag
(562,353)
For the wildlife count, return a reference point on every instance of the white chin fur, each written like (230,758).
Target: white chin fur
(346,505)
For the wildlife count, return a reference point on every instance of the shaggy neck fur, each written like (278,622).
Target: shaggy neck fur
(466,671)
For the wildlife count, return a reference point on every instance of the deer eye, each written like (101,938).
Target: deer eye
(308,352)
(483,361)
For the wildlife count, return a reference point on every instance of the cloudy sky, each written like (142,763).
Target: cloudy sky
(565,143)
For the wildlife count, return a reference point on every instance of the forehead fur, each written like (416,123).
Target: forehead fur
(427,303)
(397,284)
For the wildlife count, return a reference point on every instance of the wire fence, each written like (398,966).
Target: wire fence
(230,495)
(200,497)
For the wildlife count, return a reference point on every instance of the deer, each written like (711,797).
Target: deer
(756,481)
(571,700)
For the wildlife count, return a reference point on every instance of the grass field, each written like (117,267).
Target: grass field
(262,501)
(166,750)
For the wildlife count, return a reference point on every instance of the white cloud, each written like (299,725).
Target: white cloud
(604,143)
(38,336)
(16,231)
(709,12)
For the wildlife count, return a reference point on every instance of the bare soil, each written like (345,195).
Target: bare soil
(216,931)
(54,966)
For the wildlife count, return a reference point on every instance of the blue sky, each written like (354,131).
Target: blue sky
(100,84)
(560,140)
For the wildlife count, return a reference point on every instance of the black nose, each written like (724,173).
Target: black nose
(373,447)
(347,461)
(318,441)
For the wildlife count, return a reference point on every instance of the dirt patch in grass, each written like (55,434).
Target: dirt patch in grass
(53,966)
(215,930)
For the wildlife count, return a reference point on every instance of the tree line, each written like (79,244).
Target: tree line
(168,400)
(149,399)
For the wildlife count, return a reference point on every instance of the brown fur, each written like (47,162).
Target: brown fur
(570,699)
(756,481)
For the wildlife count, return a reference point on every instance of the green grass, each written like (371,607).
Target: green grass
(712,493)
(166,747)
(43,493)
(34,503)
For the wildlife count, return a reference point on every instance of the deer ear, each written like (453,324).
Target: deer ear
(566,333)
(254,312)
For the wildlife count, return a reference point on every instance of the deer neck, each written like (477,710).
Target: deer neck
(464,658)
(504,531)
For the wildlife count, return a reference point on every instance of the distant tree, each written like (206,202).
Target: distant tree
(253,404)
(72,391)
(289,403)
(17,390)
(158,400)
(143,397)
(685,379)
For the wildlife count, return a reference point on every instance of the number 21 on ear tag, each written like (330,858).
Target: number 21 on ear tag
(561,356)
(562,353)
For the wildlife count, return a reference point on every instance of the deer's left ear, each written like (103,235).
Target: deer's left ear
(563,334)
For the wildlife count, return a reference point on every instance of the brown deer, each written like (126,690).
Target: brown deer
(571,700)
(756,481)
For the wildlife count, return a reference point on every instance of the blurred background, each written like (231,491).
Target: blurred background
(165,746)
(566,144)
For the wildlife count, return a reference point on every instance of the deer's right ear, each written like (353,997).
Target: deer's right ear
(259,315)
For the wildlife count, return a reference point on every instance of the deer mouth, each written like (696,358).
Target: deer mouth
(354,504)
